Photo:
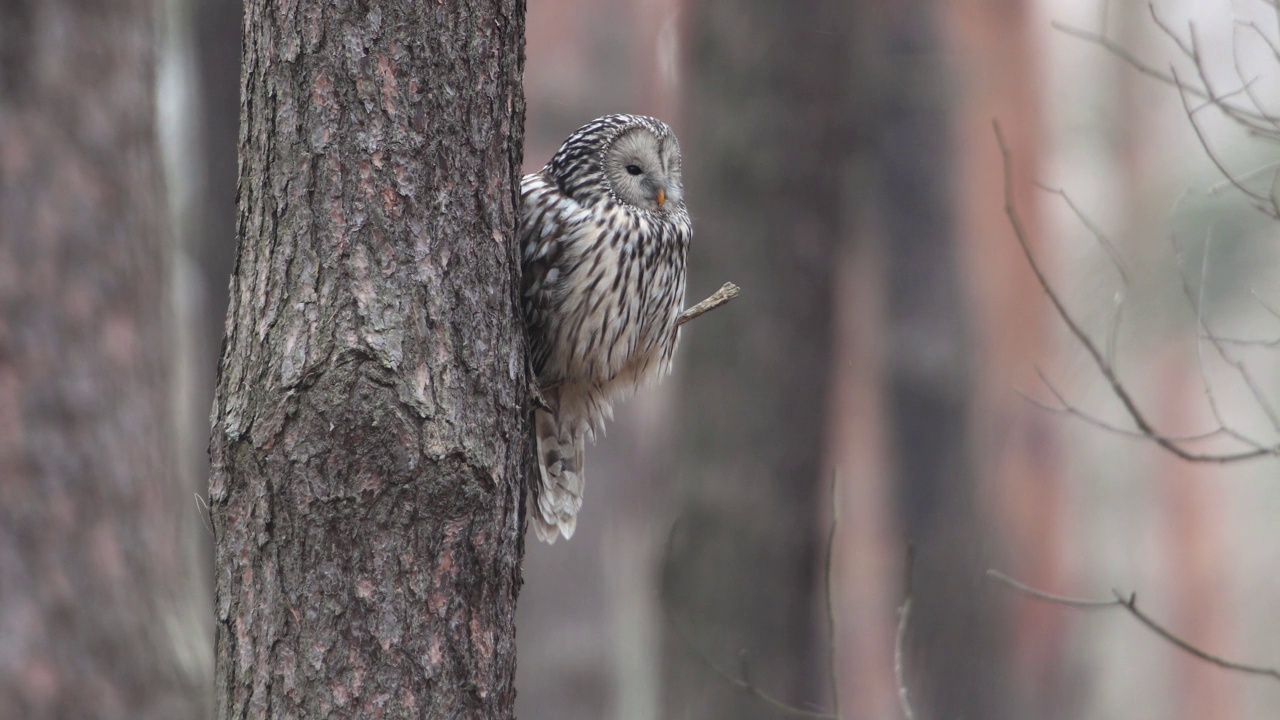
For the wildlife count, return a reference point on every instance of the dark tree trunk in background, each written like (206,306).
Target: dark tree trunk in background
(765,161)
(957,649)
(95,585)
(369,435)
(210,244)
(216,26)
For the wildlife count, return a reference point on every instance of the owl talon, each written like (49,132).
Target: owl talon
(539,400)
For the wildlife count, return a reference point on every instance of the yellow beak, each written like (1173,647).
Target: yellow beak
(662,196)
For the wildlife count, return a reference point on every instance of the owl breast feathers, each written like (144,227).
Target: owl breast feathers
(604,233)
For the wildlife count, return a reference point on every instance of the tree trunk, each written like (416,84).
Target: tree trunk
(369,433)
(208,248)
(95,589)
(956,655)
(765,161)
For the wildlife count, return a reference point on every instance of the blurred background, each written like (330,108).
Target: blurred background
(885,366)
(841,167)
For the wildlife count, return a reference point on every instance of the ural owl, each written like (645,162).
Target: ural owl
(604,233)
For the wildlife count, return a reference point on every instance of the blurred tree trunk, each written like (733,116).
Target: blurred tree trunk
(204,50)
(369,438)
(216,26)
(96,594)
(766,161)
(957,665)
(1018,454)
(208,245)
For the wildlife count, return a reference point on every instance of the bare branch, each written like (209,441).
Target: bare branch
(1065,407)
(1271,167)
(1275,50)
(1098,234)
(904,698)
(1240,74)
(1119,51)
(899,640)
(1130,604)
(1265,306)
(743,680)
(1244,342)
(1260,200)
(1050,597)
(202,509)
(1255,122)
(1197,305)
(1104,367)
(745,683)
(727,292)
(832,678)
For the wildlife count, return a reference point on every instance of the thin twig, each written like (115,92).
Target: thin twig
(1191,49)
(1066,408)
(727,292)
(1275,50)
(832,637)
(1269,344)
(746,684)
(1204,333)
(1197,306)
(1248,84)
(1130,604)
(202,509)
(1088,222)
(1252,121)
(1108,372)
(1101,238)
(1050,597)
(1218,187)
(899,640)
(742,682)
(1265,306)
(1257,197)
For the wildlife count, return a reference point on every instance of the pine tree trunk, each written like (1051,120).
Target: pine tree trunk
(765,171)
(955,645)
(95,590)
(369,434)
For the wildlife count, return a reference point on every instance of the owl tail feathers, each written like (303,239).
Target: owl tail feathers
(557,490)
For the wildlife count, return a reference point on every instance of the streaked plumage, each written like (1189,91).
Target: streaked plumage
(604,232)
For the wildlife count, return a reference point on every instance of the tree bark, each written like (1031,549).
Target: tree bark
(95,589)
(765,161)
(369,433)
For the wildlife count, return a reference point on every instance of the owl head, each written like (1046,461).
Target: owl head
(630,159)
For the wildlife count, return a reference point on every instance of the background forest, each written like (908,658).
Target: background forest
(893,365)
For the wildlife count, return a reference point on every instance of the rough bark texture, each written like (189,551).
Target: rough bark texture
(369,438)
(764,162)
(93,580)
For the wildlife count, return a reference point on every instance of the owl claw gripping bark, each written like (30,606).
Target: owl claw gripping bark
(603,233)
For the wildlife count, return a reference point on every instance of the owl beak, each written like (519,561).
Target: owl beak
(662,197)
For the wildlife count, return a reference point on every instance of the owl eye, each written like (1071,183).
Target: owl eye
(634,169)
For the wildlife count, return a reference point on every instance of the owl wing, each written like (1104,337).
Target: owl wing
(550,221)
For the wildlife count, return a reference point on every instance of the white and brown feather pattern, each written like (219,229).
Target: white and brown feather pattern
(604,279)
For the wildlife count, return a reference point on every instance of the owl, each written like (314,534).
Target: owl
(604,233)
